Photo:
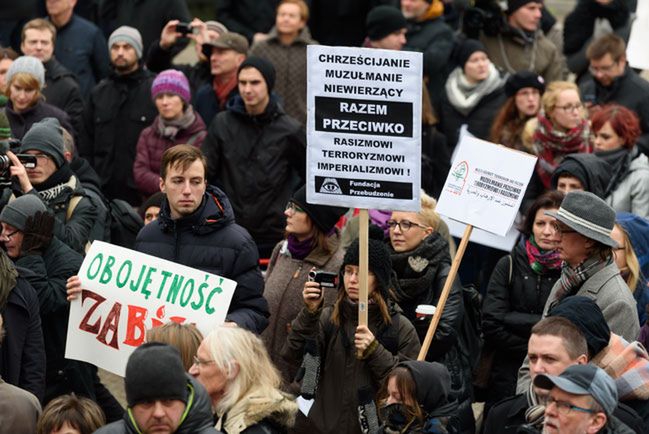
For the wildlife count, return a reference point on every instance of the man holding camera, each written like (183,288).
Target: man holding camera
(520,44)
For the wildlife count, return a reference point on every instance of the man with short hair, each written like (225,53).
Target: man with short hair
(521,44)
(580,401)
(161,396)
(80,47)
(120,108)
(196,228)
(61,88)
(225,54)
(429,34)
(257,153)
(613,81)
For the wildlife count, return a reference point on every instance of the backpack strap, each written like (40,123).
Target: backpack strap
(193,139)
(511,268)
(71,207)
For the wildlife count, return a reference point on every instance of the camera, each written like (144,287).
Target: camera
(484,16)
(184,28)
(324,278)
(29,161)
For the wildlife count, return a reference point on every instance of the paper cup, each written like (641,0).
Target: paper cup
(425,311)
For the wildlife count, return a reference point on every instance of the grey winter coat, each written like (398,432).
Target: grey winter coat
(632,194)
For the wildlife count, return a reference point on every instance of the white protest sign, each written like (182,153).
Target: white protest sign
(485,238)
(363,127)
(127,292)
(485,185)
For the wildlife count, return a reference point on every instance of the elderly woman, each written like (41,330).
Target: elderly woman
(473,93)
(26,106)
(234,366)
(176,123)
(523,90)
(312,243)
(615,131)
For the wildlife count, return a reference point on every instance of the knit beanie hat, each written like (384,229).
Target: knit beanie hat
(378,256)
(514,5)
(16,212)
(5,128)
(29,65)
(155,199)
(323,216)
(154,371)
(129,35)
(465,49)
(523,79)
(589,319)
(384,20)
(171,81)
(266,69)
(45,136)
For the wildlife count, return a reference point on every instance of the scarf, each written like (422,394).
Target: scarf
(8,276)
(628,364)
(435,10)
(223,90)
(58,182)
(541,260)
(299,249)
(620,161)
(572,278)
(169,128)
(465,96)
(551,145)
(535,413)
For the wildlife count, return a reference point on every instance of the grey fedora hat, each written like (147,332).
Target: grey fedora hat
(588,215)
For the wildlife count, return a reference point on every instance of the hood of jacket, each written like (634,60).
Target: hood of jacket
(593,172)
(214,213)
(277,407)
(55,70)
(198,417)
(86,174)
(637,229)
(433,383)
(273,109)
(628,364)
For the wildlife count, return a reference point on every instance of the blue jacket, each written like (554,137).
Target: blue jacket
(637,229)
(211,241)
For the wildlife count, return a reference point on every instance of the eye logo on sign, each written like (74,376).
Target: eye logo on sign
(330,186)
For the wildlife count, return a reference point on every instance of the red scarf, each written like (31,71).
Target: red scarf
(222,91)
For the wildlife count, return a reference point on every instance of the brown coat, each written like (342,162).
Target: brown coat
(19,410)
(335,409)
(283,290)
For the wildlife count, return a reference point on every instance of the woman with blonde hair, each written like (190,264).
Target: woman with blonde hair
(234,366)
(186,338)
(560,128)
(25,80)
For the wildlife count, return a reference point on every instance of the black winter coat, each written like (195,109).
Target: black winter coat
(629,90)
(478,121)
(259,161)
(511,307)
(247,17)
(120,108)
(51,272)
(22,355)
(211,241)
(21,122)
(62,91)
(207,104)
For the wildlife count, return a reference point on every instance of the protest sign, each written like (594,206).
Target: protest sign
(485,185)
(363,127)
(485,238)
(126,292)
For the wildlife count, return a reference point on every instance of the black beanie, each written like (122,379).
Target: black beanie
(383,20)
(155,372)
(266,69)
(323,216)
(378,259)
(465,49)
(155,199)
(523,79)
(587,316)
(514,5)
(45,136)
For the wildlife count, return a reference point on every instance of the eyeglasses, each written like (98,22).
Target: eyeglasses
(9,235)
(568,108)
(602,69)
(293,207)
(404,225)
(564,407)
(199,362)
(564,230)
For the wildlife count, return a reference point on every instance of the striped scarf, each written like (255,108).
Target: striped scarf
(572,278)
(541,260)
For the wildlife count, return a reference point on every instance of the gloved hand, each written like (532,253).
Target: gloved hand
(38,233)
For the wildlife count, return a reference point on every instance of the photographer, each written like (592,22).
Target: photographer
(53,182)
(312,242)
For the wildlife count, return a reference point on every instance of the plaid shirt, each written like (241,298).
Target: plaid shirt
(628,364)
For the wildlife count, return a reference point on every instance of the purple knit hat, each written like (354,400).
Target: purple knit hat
(171,81)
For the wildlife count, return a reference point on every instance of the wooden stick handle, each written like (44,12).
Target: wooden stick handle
(363,235)
(445,292)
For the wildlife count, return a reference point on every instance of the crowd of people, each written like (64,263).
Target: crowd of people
(106,134)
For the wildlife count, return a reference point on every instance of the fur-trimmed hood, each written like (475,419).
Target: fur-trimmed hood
(276,409)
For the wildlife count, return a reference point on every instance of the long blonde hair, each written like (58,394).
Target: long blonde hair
(632,262)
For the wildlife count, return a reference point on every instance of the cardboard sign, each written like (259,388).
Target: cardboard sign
(485,185)
(127,292)
(485,238)
(363,127)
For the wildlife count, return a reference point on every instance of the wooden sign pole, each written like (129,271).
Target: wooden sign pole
(363,228)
